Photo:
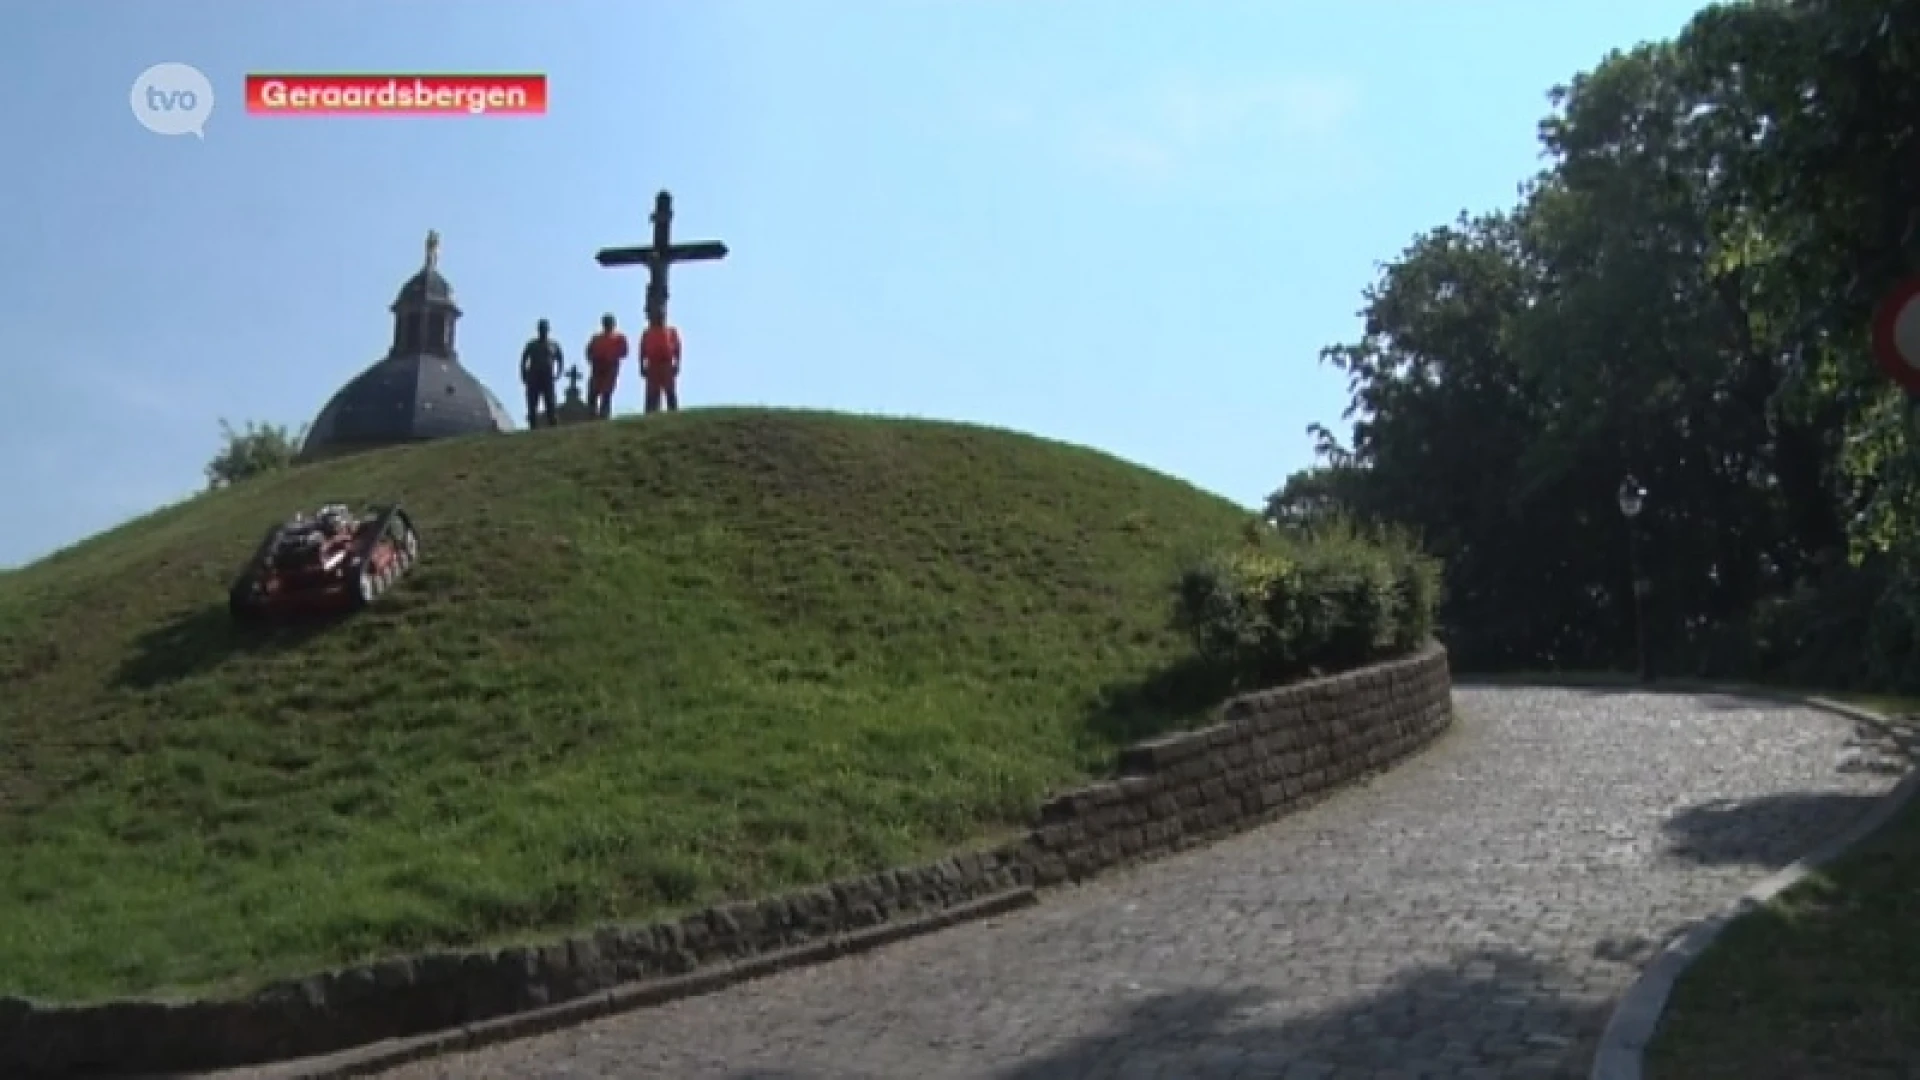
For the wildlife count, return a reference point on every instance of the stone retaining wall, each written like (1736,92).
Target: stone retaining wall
(1270,752)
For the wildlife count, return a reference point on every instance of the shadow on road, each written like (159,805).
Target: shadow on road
(1494,1013)
(1768,831)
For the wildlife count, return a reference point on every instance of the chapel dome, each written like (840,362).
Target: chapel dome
(405,399)
(427,286)
(419,390)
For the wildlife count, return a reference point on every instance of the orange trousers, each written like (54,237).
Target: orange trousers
(664,389)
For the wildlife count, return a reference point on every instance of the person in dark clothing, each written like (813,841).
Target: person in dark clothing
(540,366)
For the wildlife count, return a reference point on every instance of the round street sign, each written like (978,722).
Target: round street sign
(1896,335)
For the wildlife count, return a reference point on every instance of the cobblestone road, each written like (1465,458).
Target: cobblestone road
(1472,914)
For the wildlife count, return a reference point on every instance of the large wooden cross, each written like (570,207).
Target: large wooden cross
(660,256)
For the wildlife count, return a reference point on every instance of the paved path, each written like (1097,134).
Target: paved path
(1472,914)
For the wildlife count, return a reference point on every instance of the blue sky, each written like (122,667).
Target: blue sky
(1125,223)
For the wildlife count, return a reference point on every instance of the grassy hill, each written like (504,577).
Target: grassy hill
(642,666)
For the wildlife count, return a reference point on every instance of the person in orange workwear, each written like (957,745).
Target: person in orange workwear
(604,354)
(660,361)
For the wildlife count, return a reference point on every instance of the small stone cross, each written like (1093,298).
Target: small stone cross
(573,379)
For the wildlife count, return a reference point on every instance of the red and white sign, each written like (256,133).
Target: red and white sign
(1896,335)
(396,95)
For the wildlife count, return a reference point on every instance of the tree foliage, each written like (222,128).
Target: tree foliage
(252,451)
(1683,294)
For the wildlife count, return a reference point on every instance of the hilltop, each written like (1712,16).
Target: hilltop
(643,665)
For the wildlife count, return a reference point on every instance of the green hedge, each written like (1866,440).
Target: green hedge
(1310,600)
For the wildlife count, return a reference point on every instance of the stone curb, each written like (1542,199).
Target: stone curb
(369,1060)
(1636,1017)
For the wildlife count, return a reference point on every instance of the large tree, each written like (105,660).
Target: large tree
(1680,295)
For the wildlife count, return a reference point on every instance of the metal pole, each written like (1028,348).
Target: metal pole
(1639,600)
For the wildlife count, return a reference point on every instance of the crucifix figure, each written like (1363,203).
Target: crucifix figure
(433,249)
(660,344)
(660,256)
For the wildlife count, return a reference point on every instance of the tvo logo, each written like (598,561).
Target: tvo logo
(173,99)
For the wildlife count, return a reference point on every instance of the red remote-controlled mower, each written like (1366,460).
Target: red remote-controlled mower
(330,561)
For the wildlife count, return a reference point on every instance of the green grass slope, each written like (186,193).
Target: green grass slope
(642,666)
